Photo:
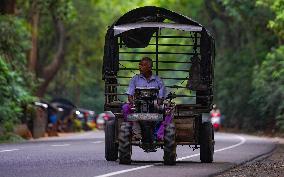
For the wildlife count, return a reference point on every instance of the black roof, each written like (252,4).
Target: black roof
(136,28)
(153,14)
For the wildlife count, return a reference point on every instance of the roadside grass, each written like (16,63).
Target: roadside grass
(10,138)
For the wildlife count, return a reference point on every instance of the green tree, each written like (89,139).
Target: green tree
(242,42)
(15,93)
(49,39)
(269,89)
(268,77)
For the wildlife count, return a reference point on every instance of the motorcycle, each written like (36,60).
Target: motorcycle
(216,120)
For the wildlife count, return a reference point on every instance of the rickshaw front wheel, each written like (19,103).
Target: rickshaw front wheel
(124,147)
(170,145)
(111,148)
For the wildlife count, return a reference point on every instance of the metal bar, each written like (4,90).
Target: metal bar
(127,94)
(170,61)
(128,77)
(193,96)
(178,45)
(157,53)
(114,77)
(178,53)
(168,86)
(117,84)
(195,43)
(133,69)
(174,78)
(115,94)
(173,45)
(174,86)
(120,42)
(177,37)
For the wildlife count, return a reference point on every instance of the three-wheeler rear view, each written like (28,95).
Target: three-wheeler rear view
(182,52)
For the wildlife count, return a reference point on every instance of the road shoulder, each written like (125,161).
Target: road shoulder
(269,165)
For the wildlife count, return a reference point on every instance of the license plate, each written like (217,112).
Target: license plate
(145,117)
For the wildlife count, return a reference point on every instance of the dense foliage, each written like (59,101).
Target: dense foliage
(249,85)
(269,75)
(15,93)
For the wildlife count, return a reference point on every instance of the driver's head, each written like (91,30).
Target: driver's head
(145,66)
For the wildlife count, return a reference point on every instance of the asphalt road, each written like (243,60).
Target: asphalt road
(82,155)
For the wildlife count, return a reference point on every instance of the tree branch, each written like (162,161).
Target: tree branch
(50,71)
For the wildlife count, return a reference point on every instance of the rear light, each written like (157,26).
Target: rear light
(215,125)
(106,117)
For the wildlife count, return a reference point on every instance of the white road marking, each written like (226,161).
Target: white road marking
(60,145)
(125,171)
(97,142)
(9,150)
(243,140)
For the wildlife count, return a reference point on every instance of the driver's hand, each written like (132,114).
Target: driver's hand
(130,99)
(131,104)
(160,101)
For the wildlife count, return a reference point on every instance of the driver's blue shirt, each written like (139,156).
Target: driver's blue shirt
(140,81)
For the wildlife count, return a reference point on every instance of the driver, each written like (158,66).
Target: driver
(145,79)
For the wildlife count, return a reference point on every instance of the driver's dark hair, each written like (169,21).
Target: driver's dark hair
(149,60)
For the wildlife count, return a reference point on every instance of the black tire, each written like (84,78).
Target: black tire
(111,147)
(206,143)
(170,145)
(124,147)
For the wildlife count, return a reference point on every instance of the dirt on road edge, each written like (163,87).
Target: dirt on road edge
(270,165)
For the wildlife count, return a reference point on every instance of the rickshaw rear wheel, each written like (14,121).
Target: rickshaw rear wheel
(124,147)
(111,147)
(206,143)
(170,145)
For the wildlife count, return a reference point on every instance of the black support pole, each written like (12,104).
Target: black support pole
(157,52)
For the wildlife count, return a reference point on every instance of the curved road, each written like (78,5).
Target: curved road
(82,155)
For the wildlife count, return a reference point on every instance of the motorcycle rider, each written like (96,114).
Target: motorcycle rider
(215,110)
(215,115)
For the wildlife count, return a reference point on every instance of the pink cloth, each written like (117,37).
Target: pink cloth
(126,110)
(160,132)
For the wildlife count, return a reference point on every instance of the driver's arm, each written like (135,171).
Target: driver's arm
(160,101)
(131,89)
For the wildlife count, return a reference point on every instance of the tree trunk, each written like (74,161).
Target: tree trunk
(34,20)
(49,72)
(216,10)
